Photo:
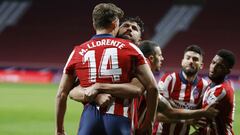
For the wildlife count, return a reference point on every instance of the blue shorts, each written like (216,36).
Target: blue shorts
(93,122)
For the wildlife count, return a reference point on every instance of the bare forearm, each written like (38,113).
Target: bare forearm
(125,90)
(152,95)
(77,94)
(180,114)
(60,111)
(162,118)
(61,99)
(147,79)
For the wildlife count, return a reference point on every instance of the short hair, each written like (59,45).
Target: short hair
(194,48)
(104,13)
(147,47)
(228,57)
(136,19)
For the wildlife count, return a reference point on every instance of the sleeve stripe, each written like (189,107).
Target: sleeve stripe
(69,58)
(138,50)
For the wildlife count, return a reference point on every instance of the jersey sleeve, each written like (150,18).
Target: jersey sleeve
(69,66)
(164,85)
(140,59)
(216,96)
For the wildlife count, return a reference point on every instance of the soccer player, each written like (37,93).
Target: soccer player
(131,28)
(105,59)
(220,90)
(183,90)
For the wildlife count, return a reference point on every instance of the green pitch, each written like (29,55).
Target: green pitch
(30,110)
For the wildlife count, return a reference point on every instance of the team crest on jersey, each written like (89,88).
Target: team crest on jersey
(195,93)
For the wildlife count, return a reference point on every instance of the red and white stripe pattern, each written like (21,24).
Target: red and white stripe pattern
(118,107)
(224,95)
(181,94)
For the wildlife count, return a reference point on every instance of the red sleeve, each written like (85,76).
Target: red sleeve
(69,67)
(138,54)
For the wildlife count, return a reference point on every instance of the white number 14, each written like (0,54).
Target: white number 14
(109,56)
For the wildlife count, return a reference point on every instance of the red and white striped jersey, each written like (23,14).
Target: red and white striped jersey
(181,94)
(105,59)
(224,95)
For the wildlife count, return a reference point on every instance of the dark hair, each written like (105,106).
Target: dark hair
(104,13)
(194,48)
(136,19)
(228,57)
(147,47)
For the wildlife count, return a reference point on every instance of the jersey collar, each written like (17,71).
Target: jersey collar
(102,36)
(184,80)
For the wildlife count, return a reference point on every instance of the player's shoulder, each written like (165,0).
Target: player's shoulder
(125,41)
(121,40)
(203,81)
(227,85)
(167,77)
(80,45)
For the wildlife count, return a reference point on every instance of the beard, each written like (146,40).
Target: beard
(190,72)
(123,36)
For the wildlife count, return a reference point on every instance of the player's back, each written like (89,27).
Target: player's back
(106,59)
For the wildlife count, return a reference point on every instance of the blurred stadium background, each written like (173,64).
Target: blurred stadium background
(36,37)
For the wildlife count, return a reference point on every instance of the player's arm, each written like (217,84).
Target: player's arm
(65,86)
(166,113)
(144,74)
(124,90)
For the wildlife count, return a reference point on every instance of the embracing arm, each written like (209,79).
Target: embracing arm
(124,90)
(146,77)
(61,100)
(166,113)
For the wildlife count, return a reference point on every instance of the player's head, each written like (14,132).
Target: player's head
(131,28)
(153,53)
(192,60)
(221,65)
(106,16)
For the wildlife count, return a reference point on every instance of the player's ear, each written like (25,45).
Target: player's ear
(227,71)
(140,39)
(115,23)
(201,66)
(151,58)
(94,26)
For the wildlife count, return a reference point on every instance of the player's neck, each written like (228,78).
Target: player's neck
(105,31)
(218,80)
(189,78)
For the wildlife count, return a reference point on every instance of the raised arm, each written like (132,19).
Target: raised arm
(65,86)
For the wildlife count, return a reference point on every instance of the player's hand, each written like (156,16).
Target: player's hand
(199,123)
(146,128)
(143,131)
(60,132)
(103,99)
(90,92)
(210,111)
